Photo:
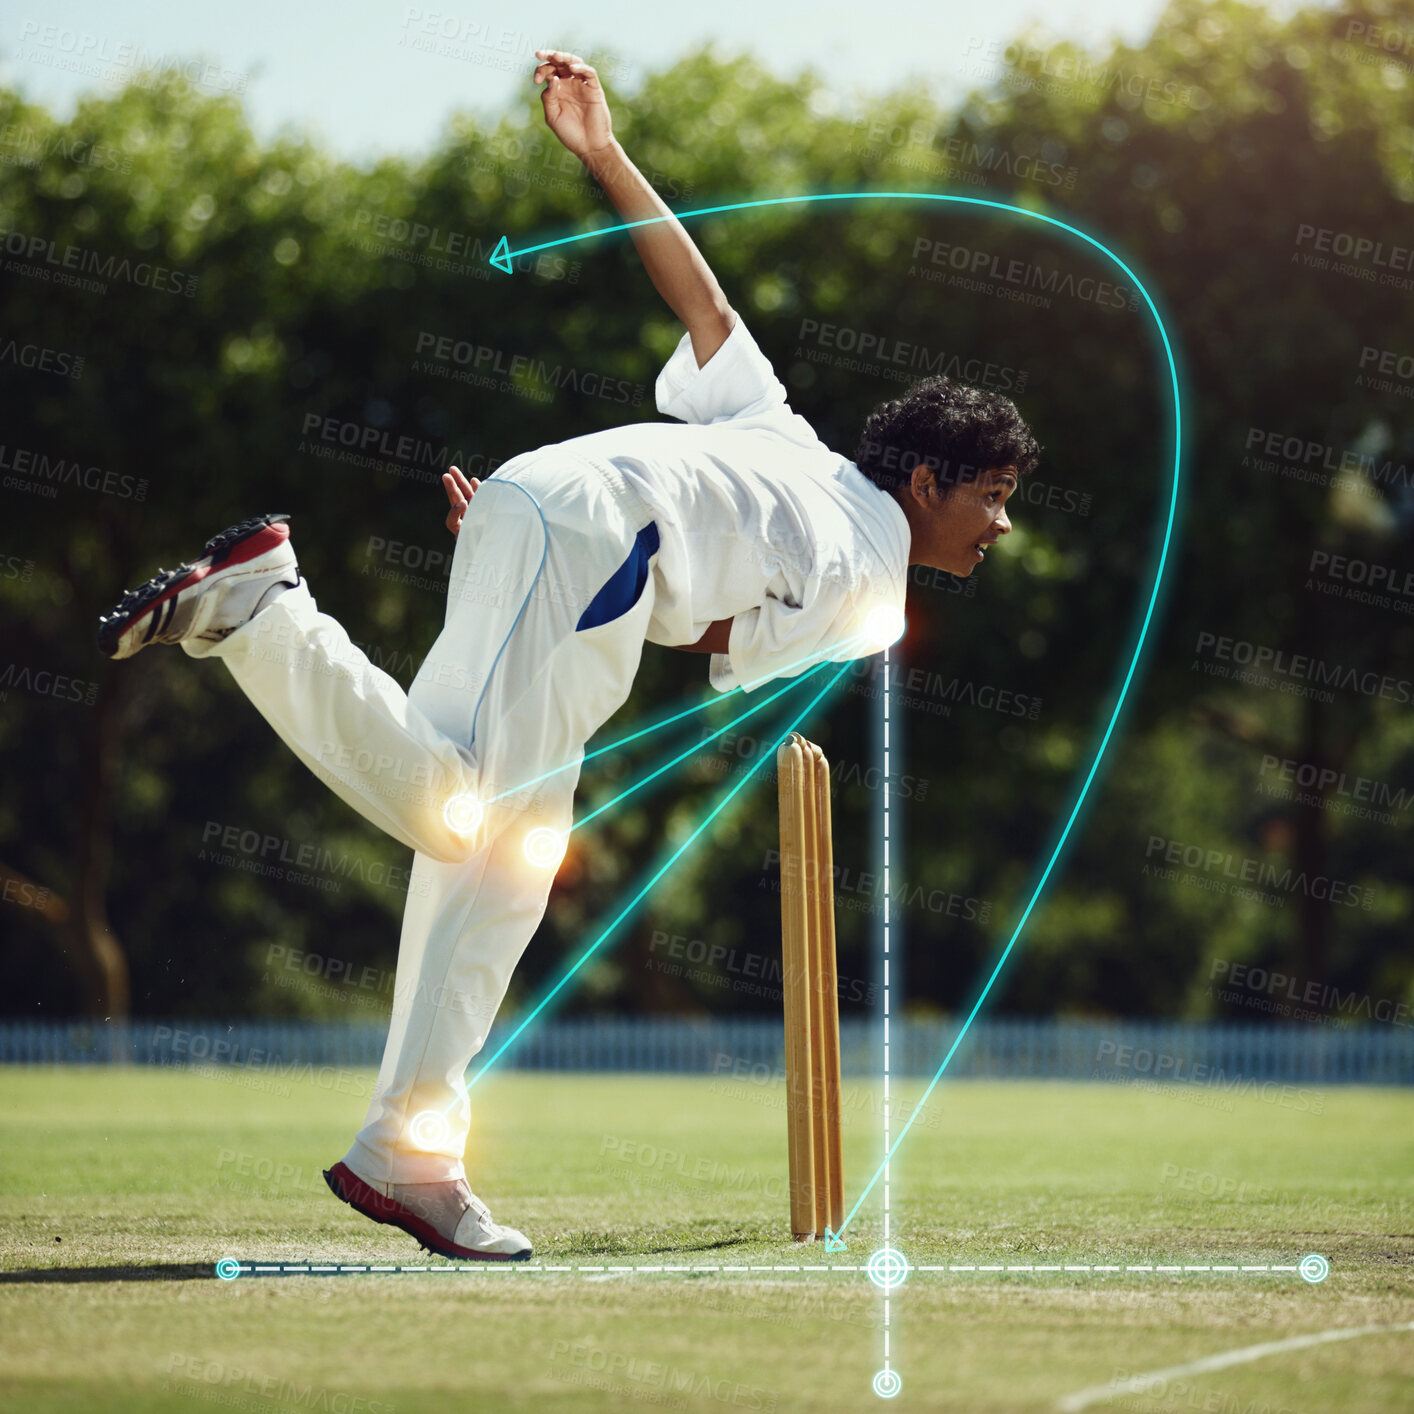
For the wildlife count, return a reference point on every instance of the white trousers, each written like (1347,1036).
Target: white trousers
(498,714)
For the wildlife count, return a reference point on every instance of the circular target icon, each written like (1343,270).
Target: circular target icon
(887,1383)
(428,1130)
(463,813)
(1314,1268)
(887,1268)
(544,847)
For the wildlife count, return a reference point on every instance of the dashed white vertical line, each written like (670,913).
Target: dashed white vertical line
(888,694)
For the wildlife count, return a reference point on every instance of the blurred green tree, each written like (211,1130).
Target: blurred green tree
(255,337)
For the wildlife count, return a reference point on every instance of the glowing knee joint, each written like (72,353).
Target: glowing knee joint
(545,847)
(429,1130)
(463,814)
(884,626)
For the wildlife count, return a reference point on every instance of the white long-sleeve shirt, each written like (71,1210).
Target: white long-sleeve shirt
(759,521)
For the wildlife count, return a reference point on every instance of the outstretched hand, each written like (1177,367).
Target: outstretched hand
(575,107)
(459,494)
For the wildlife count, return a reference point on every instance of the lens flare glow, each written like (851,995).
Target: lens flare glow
(884,626)
(463,814)
(428,1130)
(544,847)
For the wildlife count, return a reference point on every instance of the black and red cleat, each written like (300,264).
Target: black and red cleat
(446,1218)
(208,597)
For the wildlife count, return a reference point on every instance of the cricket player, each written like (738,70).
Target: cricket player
(732,531)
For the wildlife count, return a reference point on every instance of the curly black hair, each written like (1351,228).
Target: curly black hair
(953,428)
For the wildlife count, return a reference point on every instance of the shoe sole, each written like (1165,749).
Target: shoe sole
(234,545)
(349,1188)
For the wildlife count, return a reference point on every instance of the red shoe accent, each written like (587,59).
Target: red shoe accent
(349,1188)
(258,544)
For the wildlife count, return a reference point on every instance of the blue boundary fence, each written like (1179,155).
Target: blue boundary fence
(1226,1055)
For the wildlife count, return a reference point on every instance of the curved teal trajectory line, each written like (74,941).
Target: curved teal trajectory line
(502,257)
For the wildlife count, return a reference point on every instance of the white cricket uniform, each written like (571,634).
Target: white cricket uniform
(760,521)
(569,559)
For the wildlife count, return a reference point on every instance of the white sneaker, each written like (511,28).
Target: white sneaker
(208,597)
(446,1218)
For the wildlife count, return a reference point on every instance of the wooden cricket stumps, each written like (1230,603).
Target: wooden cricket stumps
(811,991)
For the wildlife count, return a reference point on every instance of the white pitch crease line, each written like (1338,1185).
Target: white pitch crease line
(507,1269)
(1138,1384)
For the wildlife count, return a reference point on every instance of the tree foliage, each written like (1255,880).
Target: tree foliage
(266,328)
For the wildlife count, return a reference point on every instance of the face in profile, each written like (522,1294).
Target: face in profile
(963,520)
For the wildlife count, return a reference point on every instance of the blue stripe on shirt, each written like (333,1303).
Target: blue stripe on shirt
(621,590)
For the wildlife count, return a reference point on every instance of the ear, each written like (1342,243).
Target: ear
(922,484)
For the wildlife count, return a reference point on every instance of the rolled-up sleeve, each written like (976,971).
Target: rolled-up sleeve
(737,381)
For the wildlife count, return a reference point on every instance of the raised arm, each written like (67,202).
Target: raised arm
(578,114)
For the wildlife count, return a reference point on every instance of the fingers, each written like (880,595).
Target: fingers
(467,488)
(551,57)
(455,513)
(459,490)
(558,64)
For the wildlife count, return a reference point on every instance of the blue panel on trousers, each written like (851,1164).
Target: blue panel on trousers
(621,590)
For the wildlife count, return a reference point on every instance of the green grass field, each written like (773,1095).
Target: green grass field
(120,1190)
